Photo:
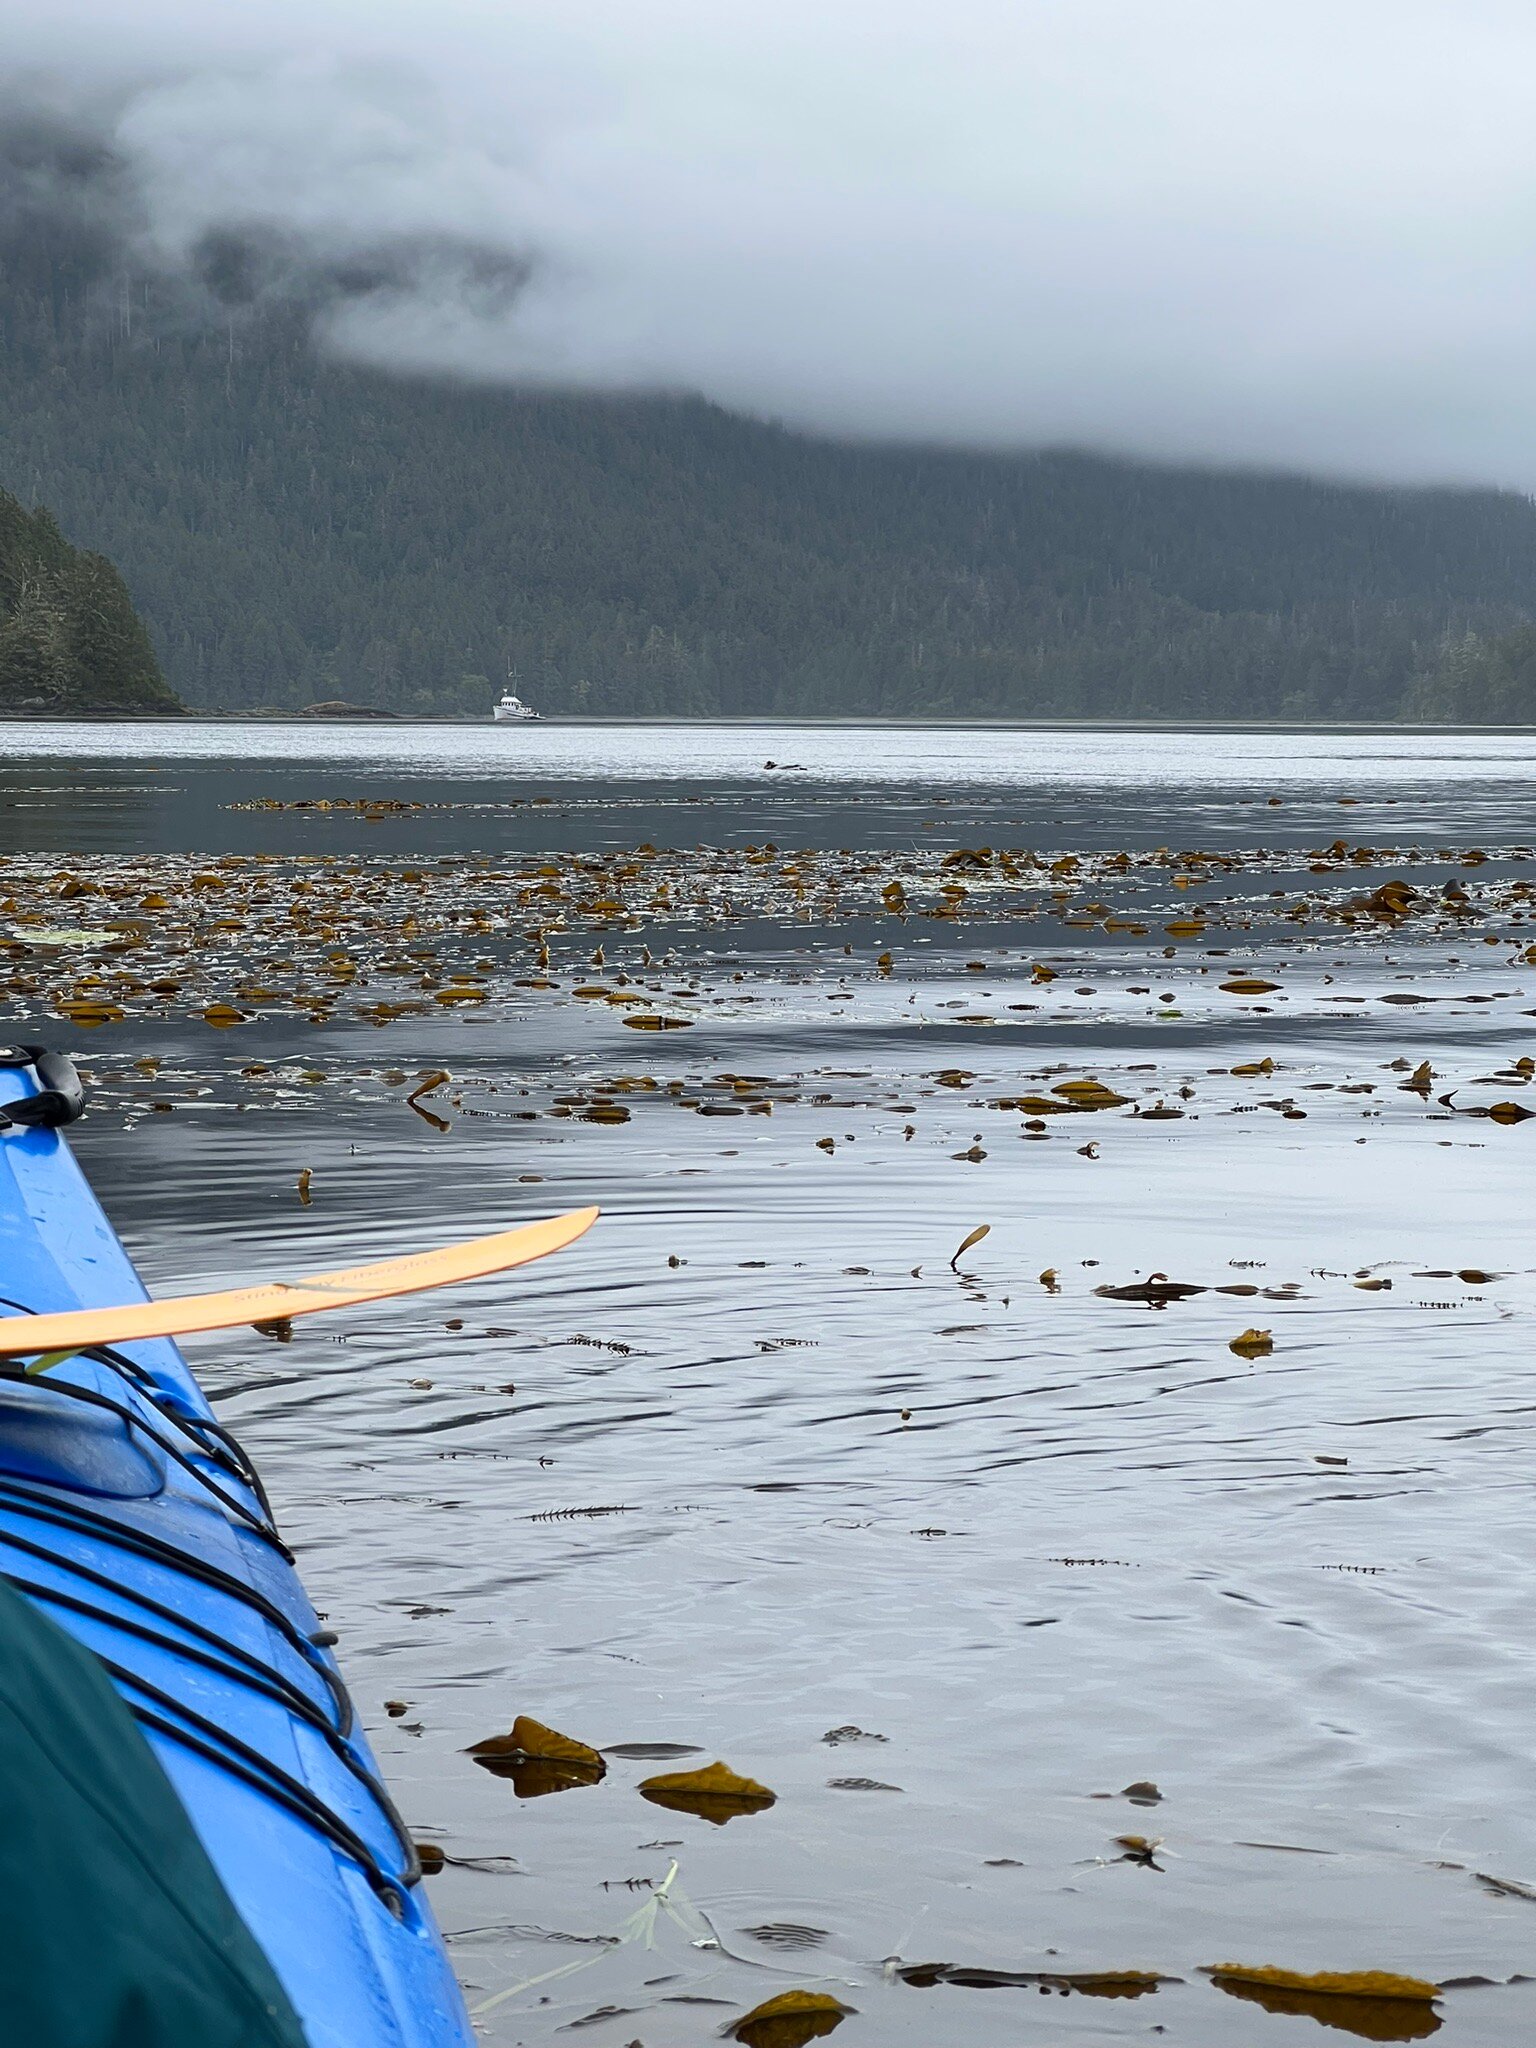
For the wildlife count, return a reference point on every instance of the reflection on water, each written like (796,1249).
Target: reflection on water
(988,1577)
(974,756)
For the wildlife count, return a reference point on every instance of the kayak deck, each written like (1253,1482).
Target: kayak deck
(134,1521)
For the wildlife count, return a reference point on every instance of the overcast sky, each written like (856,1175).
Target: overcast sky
(1301,235)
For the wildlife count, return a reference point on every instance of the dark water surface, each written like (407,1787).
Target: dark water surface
(752,1464)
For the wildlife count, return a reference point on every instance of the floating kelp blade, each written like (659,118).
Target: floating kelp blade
(1500,1112)
(1089,1094)
(1156,1290)
(1373,2005)
(538,1759)
(1090,1983)
(974,1237)
(347,1287)
(790,2020)
(716,1793)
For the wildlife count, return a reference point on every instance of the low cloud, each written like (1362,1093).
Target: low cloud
(1295,237)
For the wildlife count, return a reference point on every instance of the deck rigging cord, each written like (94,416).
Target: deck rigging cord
(165,1715)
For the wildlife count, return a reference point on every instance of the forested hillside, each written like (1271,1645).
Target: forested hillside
(69,637)
(294,528)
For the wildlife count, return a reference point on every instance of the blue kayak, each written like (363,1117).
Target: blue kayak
(130,1517)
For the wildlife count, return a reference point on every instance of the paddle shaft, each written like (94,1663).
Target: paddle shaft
(280,1300)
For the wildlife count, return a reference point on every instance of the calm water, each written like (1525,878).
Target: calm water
(1036,1544)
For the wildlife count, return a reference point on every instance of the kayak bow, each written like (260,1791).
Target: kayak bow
(133,1519)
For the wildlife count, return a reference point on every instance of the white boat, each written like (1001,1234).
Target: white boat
(509,707)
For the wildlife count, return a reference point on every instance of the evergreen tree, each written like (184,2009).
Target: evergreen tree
(69,636)
(1478,680)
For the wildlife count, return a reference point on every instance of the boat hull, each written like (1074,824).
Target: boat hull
(172,1573)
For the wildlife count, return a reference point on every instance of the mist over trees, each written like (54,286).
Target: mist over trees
(296,528)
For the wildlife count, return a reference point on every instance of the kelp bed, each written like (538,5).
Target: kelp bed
(319,937)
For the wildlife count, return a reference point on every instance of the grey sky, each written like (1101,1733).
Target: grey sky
(1301,236)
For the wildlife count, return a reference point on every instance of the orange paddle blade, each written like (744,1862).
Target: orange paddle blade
(73,1329)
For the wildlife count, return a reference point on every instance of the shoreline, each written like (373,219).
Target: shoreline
(764,721)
